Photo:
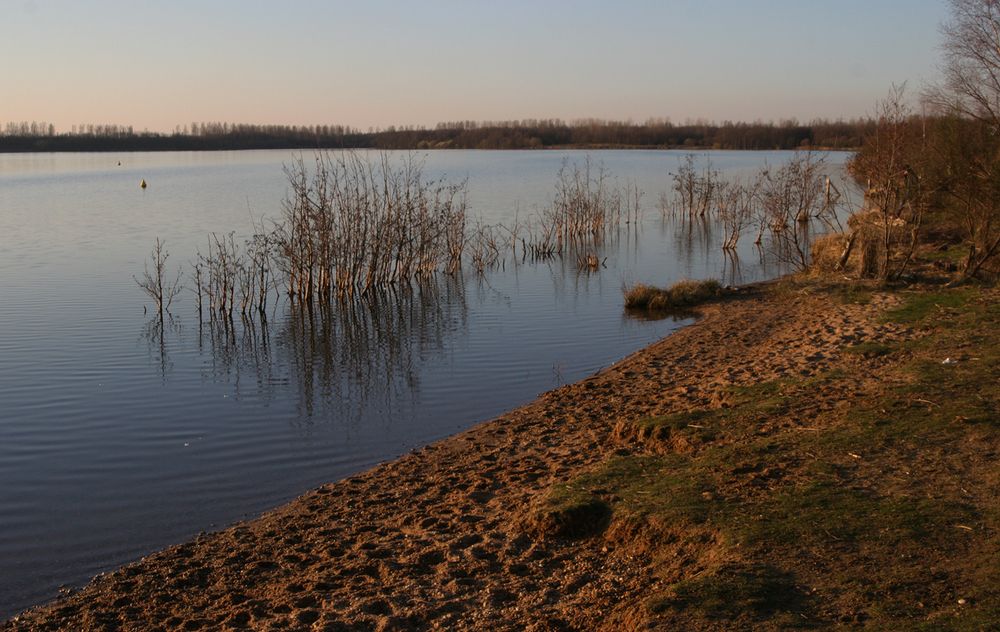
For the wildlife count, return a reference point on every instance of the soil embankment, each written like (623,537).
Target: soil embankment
(718,478)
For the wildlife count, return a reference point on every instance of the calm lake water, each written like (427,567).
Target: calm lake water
(117,439)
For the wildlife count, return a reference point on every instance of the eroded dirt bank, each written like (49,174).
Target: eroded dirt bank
(466,534)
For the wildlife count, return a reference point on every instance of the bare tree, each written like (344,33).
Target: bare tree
(971,70)
(966,155)
(967,142)
(737,205)
(790,197)
(694,192)
(895,195)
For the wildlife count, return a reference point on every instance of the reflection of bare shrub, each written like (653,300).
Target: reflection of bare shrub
(485,247)
(341,362)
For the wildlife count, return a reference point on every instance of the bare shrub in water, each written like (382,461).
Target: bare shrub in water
(485,247)
(790,196)
(156,281)
(221,267)
(587,205)
(254,275)
(352,225)
(781,202)
(694,190)
(737,205)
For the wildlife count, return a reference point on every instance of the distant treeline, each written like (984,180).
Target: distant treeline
(525,134)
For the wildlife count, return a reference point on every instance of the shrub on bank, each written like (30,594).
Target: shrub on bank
(680,295)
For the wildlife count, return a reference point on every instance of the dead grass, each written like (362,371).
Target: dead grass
(679,296)
(827,251)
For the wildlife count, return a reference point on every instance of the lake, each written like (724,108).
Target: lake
(119,437)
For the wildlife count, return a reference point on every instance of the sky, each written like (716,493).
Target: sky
(375,63)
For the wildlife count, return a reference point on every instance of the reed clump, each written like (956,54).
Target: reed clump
(827,252)
(695,189)
(679,296)
(352,225)
(587,206)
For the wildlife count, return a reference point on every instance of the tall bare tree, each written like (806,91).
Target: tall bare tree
(967,140)
(889,165)
(971,70)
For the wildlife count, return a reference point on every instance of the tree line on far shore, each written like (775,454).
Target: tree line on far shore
(524,134)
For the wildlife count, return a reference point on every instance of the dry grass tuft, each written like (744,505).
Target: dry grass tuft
(827,251)
(681,295)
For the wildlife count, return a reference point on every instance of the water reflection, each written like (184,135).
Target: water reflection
(339,359)
(732,270)
(154,332)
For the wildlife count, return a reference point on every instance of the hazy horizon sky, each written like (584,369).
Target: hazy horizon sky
(156,65)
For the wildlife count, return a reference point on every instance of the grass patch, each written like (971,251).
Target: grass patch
(935,401)
(682,295)
(734,591)
(700,425)
(952,253)
(919,306)
(883,507)
(827,511)
(639,485)
(683,430)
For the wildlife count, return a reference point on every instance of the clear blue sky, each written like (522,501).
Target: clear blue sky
(374,63)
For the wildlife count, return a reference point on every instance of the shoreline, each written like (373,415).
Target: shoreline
(455,533)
